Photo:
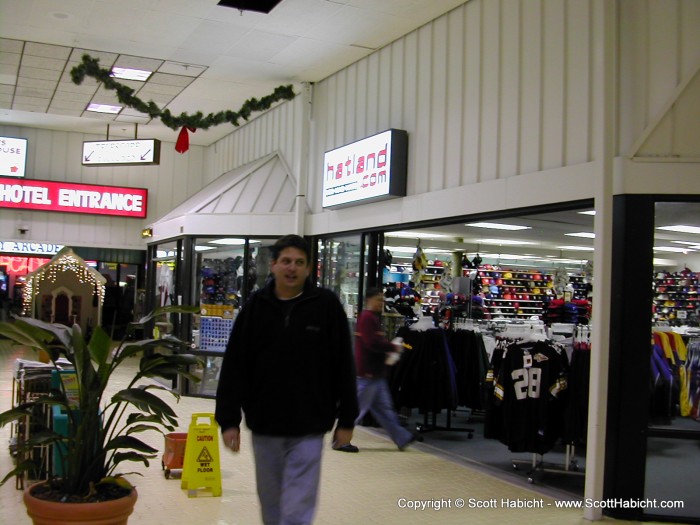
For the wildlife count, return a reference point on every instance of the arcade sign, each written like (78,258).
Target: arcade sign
(73,198)
(368,170)
(121,152)
(13,156)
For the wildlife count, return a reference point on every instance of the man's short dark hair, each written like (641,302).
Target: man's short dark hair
(291,241)
(373,292)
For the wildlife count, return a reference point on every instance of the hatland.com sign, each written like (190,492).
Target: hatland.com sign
(73,198)
(368,170)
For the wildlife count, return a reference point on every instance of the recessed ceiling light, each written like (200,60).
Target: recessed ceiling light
(587,235)
(416,235)
(682,228)
(588,212)
(131,74)
(103,108)
(577,248)
(228,242)
(671,249)
(497,226)
(203,248)
(504,242)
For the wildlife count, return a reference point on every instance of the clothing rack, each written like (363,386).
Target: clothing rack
(539,466)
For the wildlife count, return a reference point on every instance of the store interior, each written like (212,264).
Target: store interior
(512,252)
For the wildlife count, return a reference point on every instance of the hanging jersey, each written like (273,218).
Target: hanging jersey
(530,388)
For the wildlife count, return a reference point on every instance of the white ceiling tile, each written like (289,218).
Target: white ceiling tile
(139,119)
(11,46)
(179,81)
(7,75)
(33,91)
(47,51)
(131,62)
(33,82)
(66,104)
(43,62)
(10,59)
(39,74)
(32,101)
(72,96)
(67,112)
(7,89)
(87,87)
(182,69)
(5,100)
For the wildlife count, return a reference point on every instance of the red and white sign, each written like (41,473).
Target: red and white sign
(367,170)
(73,198)
(13,156)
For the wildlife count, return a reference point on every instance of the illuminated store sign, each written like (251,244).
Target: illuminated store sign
(368,170)
(30,248)
(73,198)
(121,152)
(13,156)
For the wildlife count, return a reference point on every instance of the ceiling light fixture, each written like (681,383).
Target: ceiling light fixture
(505,242)
(672,249)
(228,242)
(103,108)
(587,212)
(577,248)
(587,235)
(498,226)
(681,228)
(131,74)
(417,235)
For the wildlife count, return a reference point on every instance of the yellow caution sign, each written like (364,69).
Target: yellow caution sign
(202,470)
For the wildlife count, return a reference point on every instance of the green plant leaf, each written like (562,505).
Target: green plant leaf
(146,401)
(129,442)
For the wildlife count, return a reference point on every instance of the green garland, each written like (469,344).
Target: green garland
(91,67)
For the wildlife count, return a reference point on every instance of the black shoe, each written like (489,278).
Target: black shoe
(347,448)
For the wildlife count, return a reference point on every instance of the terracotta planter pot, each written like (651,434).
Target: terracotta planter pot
(115,512)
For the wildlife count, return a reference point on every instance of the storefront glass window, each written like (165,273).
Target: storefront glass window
(227,271)
(340,266)
(674,408)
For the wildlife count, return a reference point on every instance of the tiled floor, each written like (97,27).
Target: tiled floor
(372,487)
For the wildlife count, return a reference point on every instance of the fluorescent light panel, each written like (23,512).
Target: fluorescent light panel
(228,242)
(203,248)
(681,228)
(671,249)
(103,108)
(587,235)
(577,248)
(498,226)
(589,212)
(131,74)
(417,235)
(504,242)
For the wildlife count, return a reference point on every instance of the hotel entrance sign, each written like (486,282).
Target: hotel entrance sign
(121,152)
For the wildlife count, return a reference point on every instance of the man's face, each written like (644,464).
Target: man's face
(290,270)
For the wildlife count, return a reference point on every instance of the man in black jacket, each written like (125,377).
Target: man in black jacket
(289,368)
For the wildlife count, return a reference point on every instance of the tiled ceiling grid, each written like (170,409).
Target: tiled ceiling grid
(36,77)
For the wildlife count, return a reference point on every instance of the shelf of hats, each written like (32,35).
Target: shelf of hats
(675,296)
(488,291)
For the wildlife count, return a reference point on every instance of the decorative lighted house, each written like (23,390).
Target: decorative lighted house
(65,290)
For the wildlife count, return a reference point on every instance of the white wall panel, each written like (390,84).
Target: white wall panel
(491,90)
(531,88)
(509,106)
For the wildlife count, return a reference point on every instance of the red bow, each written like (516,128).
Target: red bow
(183,139)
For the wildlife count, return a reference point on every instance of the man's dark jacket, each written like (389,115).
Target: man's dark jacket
(292,374)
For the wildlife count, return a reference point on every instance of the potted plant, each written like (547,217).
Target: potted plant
(101,430)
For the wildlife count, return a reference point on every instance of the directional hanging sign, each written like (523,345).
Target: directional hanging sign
(121,152)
